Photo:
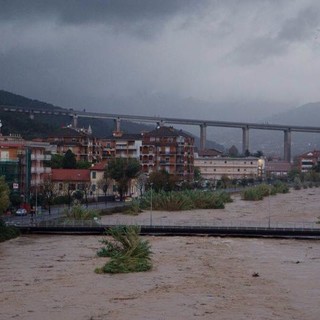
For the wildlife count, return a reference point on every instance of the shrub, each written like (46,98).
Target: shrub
(281,187)
(78,212)
(133,208)
(264,190)
(61,200)
(7,232)
(127,251)
(251,194)
(297,183)
(184,200)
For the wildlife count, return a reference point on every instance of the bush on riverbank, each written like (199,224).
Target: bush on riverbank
(184,200)
(78,212)
(128,252)
(7,232)
(263,190)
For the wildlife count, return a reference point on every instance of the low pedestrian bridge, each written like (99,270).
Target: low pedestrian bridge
(225,229)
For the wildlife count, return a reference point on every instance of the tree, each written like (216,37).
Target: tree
(82,164)
(69,160)
(233,151)
(122,170)
(197,174)
(48,192)
(56,161)
(141,182)
(103,184)
(247,153)
(258,154)
(294,173)
(4,195)
(86,188)
(162,180)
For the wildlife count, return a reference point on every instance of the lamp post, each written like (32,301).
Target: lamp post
(36,199)
(151,204)
(269,215)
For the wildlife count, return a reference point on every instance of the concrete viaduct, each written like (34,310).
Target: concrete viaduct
(203,124)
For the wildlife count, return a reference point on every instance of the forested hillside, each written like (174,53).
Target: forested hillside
(43,125)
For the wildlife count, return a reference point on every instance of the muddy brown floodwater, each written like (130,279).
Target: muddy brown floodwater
(52,277)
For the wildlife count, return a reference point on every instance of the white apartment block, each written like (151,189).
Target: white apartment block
(234,168)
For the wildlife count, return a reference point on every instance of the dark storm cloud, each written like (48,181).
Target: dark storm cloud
(127,15)
(130,54)
(301,27)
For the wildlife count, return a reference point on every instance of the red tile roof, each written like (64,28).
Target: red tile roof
(99,166)
(70,175)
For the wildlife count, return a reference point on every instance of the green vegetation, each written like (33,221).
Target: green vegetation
(4,195)
(263,190)
(128,252)
(183,200)
(162,180)
(7,232)
(69,160)
(122,170)
(78,212)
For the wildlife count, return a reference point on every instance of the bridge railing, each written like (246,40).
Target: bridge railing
(163,222)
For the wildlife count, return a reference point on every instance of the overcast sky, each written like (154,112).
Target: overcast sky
(162,57)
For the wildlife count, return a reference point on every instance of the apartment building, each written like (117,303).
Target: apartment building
(121,145)
(215,168)
(23,163)
(80,141)
(308,160)
(166,148)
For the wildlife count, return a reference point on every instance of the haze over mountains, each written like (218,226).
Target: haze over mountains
(267,141)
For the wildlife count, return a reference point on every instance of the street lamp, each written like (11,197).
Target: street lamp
(36,199)
(151,204)
(269,215)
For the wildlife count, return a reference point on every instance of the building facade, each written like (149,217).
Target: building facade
(308,160)
(121,145)
(81,142)
(23,163)
(214,168)
(166,148)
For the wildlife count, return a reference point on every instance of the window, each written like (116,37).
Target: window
(4,155)
(93,187)
(93,174)
(72,186)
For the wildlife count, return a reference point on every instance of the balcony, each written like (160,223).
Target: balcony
(41,157)
(40,170)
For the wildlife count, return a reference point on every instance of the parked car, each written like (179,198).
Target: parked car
(21,212)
